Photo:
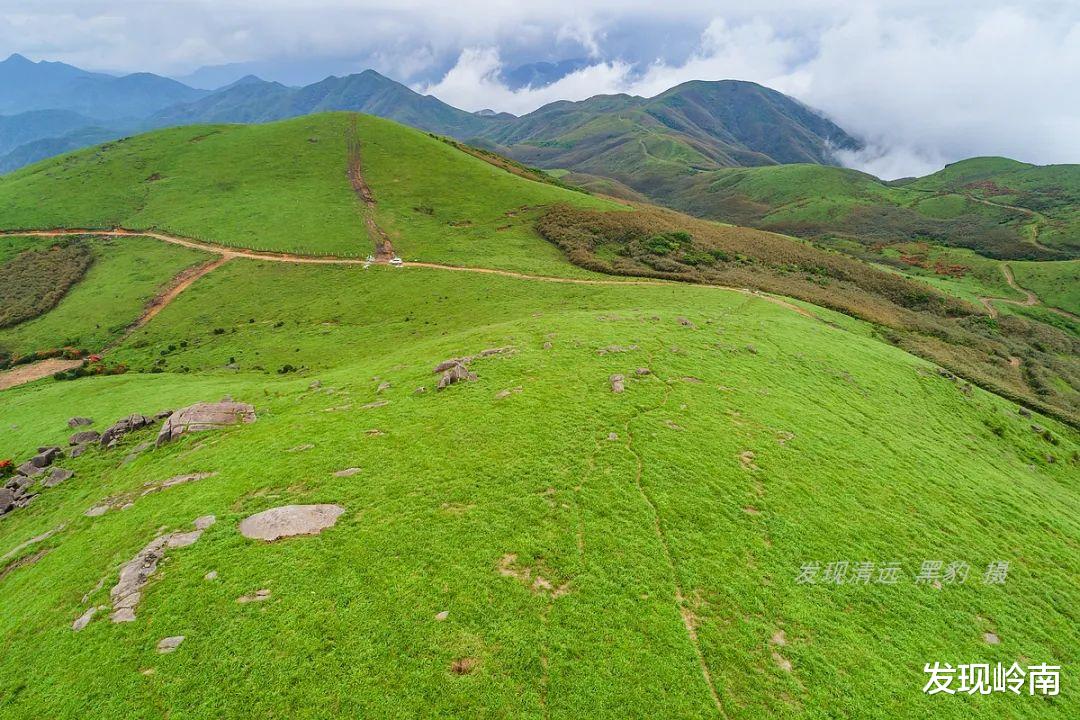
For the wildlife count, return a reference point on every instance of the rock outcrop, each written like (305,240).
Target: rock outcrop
(127,592)
(122,427)
(204,416)
(290,520)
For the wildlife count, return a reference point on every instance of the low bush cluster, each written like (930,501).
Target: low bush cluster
(34,281)
(653,242)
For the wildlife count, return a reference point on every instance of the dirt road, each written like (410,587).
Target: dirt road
(36,371)
(1030,298)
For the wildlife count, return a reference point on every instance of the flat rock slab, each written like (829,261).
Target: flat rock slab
(257,596)
(204,416)
(290,520)
(84,619)
(167,645)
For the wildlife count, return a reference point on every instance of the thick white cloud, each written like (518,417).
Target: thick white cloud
(1006,82)
(923,82)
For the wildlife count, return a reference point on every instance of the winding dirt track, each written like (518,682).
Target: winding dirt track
(1036,218)
(1030,298)
(35,371)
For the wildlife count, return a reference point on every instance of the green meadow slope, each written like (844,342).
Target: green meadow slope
(529,543)
(284,187)
(691,500)
(1025,213)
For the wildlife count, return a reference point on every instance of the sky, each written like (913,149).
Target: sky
(923,83)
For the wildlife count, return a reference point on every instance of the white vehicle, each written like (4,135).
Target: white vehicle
(396,261)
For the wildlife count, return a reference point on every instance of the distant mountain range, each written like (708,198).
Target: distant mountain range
(644,143)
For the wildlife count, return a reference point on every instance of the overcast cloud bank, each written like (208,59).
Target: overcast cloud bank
(923,83)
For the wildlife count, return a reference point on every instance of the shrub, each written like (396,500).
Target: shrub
(34,281)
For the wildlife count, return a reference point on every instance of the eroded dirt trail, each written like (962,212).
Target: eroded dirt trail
(384,249)
(36,371)
(1030,298)
(22,374)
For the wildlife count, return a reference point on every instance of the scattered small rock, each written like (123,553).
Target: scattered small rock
(383,386)
(751,349)
(212,575)
(617,384)
(202,523)
(84,436)
(136,573)
(57,476)
(257,596)
(97,511)
(442,616)
(612,437)
(420,390)
(454,374)
(991,638)
(643,371)
(79,422)
(547,346)
(301,448)
(84,619)
(347,472)
(45,457)
(169,644)
(373,405)
(122,427)
(290,520)
(685,322)
(1024,412)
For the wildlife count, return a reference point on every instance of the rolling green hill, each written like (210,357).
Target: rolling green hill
(284,187)
(654,144)
(961,206)
(614,517)
(692,500)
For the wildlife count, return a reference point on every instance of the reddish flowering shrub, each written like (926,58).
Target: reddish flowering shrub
(7,467)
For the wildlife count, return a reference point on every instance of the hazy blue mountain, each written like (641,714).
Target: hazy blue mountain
(27,85)
(42,148)
(254,100)
(16,130)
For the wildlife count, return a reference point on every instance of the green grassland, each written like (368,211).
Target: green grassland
(439,204)
(668,523)
(126,274)
(284,187)
(1056,283)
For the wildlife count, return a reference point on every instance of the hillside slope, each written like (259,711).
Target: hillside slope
(997,207)
(350,186)
(285,187)
(669,523)
(611,514)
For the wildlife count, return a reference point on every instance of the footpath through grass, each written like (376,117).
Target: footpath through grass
(284,187)
(126,273)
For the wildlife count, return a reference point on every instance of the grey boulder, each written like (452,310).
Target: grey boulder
(204,416)
(84,436)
